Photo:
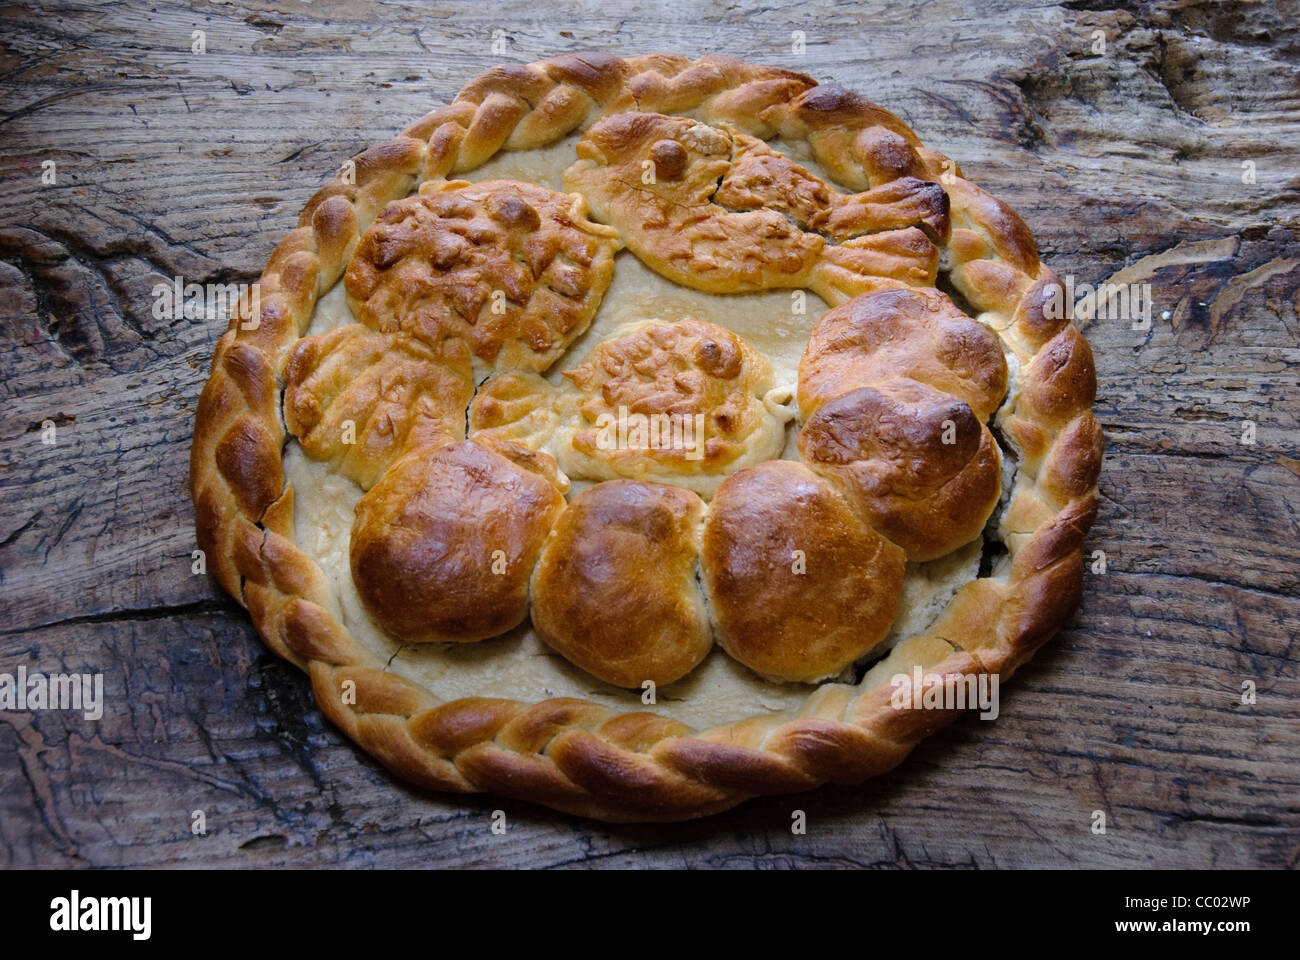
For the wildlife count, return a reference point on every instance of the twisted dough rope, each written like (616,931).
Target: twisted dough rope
(570,754)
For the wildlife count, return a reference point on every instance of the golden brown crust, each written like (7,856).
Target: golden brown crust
(578,756)
(761,177)
(683,403)
(667,216)
(358,398)
(706,207)
(515,406)
(776,537)
(443,545)
(700,383)
(516,270)
(916,462)
(914,333)
(615,589)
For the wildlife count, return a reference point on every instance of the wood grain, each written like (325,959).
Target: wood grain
(1127,166)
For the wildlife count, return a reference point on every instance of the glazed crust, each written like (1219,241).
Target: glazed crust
(799,585)
(443,546)
(574,755)
(615,589)
(683,403)
(915,461)
(911,333)
(680,370)
(707,207)
(428,267)
(397,394)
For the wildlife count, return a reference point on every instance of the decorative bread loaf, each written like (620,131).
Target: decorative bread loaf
(794,567)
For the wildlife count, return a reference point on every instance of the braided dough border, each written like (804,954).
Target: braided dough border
(570,754)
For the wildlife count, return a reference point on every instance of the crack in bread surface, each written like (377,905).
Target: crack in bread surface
(519,665)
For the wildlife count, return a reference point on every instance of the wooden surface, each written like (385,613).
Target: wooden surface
(1126,165)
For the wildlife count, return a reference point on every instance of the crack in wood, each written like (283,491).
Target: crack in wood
(198,608)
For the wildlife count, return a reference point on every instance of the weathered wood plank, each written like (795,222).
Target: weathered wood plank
(1126,164)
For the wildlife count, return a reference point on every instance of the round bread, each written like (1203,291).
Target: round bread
(443,546)
(802,561)
(615,588)
(915,333)
(916,462)
(799,585)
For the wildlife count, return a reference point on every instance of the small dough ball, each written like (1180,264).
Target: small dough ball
(917,463)
(911,333)
(800,586)
(444,544)
(615,589)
